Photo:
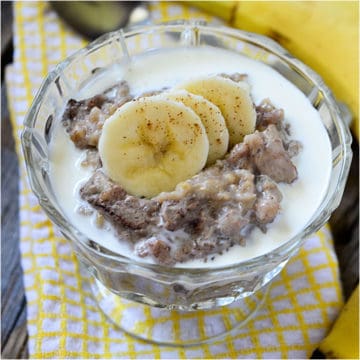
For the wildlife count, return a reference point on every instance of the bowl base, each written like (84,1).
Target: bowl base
(162,326)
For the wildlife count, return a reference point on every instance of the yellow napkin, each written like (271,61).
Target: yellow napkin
(63,319)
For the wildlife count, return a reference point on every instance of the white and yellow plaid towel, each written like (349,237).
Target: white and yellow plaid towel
(63,319)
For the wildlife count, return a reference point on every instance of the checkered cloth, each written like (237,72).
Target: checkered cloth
(62,316)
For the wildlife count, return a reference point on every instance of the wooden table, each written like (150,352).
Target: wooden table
(14,337)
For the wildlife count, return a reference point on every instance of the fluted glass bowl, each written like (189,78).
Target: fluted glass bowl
(118,277)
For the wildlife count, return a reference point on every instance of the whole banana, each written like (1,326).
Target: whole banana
(343,340)
(323,34)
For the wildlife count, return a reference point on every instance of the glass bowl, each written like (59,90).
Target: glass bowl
(119,281)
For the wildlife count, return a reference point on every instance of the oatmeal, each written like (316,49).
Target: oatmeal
(213,210)
(241,206)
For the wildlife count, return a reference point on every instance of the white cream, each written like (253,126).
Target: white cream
(166,68)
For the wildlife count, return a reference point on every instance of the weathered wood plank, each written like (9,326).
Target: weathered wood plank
(6,24)
(13,302)
(17,345)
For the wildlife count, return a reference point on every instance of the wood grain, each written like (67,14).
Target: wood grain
(13,303)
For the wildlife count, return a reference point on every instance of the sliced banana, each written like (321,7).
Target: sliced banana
(210,116)
(150,145)
(232,98)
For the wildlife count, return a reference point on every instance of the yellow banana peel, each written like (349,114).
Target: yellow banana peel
(323,34)
(223,9)
(343,340)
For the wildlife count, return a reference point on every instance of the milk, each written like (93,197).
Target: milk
(155,70)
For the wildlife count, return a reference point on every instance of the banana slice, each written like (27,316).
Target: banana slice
(150,145)
(210,116)
(232,98)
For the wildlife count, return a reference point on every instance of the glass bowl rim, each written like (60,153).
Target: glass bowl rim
(88,245)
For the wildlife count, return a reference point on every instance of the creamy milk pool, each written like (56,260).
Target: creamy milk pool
(160,69)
